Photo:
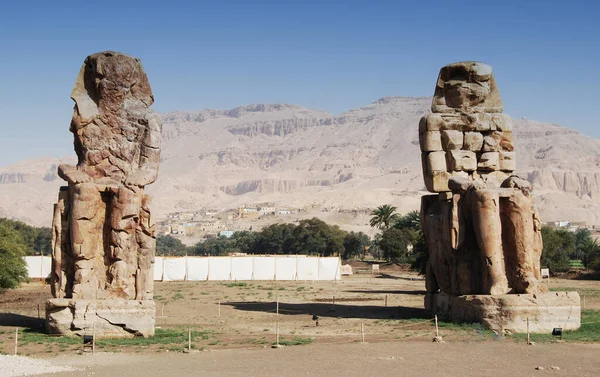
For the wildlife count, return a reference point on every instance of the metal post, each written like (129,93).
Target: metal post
(16,340)
(528,339)
(437,331)
(94,339)
(362,331)
(219,308)
(189,339)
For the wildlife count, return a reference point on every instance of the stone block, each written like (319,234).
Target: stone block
(502,122)
(423,124)
(434,122)
(430,141)
(510,313)
(461,160)
(437,181)
(110,318)
(473,141)
(507,161)
(483,122)
(436,161)
(488,161)
(452,139)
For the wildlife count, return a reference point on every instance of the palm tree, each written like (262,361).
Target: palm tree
(383,216)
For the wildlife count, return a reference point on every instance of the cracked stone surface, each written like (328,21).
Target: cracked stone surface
(103,230)
(109,318)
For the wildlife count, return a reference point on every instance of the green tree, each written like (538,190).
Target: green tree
(383,216)
(244,241)
(559,244)
(314,236)
(275,239)
(12,264)
(169,245)
(420,254)
(214,246)
(411,220)
(397,244)
(591,254)
(355,245)
(37,240)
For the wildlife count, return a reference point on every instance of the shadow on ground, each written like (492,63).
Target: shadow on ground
(328,310)
(18,320)
(396,277)
(391,292)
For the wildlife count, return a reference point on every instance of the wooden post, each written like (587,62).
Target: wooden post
(94,339)
(39,310)
(362,331)
(583,302)
(528,339)
(16,340)
(386,301)
(437,331)
(189,339)
(333,304)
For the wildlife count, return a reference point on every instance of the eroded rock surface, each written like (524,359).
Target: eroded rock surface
(482,228)
(103,232)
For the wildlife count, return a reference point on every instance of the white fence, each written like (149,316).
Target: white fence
(293,267)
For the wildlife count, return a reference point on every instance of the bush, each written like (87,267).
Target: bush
(559,244)
(12,264)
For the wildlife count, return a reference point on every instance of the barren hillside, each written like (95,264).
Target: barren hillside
(298,157)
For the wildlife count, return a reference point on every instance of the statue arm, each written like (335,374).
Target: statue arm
(150,154)
(73,175)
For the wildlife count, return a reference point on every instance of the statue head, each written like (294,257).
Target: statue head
(466,86)
(109,82)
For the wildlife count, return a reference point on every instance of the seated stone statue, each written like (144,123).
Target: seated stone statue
(104,237)
(482,229)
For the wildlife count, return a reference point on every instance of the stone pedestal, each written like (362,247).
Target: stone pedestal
(509,313)
(111,318)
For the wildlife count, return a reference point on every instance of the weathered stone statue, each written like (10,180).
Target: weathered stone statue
(104,240)
(482,229)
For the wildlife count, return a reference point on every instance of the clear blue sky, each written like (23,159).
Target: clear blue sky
(329,55)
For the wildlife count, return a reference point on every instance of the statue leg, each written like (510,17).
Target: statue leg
(124,218)
(146,240)
(86,234)
(521,243)
(485,210)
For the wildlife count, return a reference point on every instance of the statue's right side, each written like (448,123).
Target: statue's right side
(482,229)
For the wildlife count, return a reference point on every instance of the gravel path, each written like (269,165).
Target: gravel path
(13,366)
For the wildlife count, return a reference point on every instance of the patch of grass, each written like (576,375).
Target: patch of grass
(300,289)
(295,341)
(177,296)
(282,288)
(232,285)
(588,332)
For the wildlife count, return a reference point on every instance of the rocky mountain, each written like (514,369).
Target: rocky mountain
(297,157)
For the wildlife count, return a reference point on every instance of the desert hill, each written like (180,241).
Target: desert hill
(296,157)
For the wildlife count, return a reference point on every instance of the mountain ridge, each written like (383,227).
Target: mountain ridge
(299,157)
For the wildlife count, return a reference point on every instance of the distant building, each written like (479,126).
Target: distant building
(226,233)
(284,212)
(266,210)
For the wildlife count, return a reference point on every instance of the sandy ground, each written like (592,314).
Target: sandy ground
(237,321)
(361,360)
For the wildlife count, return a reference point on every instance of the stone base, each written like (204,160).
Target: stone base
(110,318)
(509,313)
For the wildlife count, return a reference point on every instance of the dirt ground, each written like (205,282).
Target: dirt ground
(466,359)
(234,325)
